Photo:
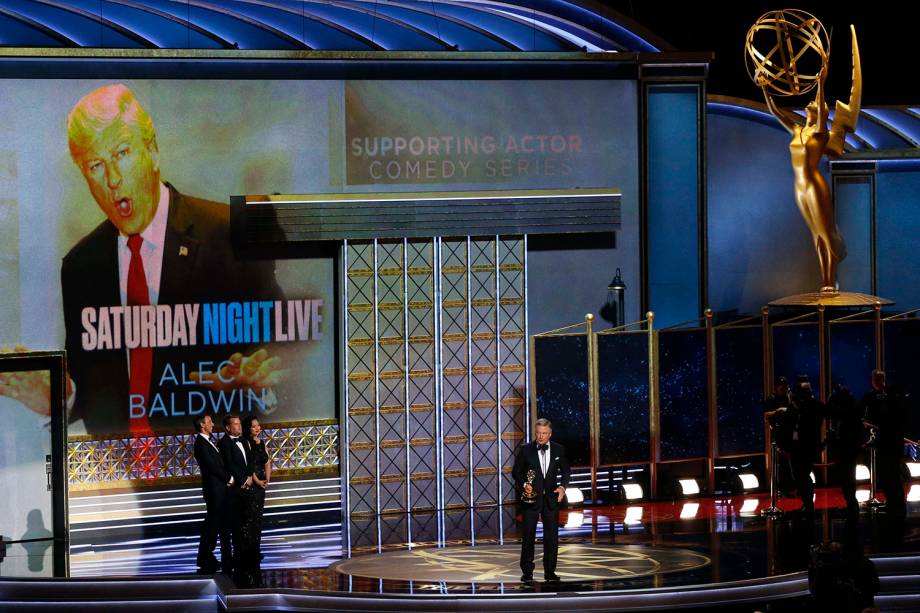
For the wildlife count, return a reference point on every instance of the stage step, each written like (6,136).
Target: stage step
(180,509)
(188,594)
(899,579)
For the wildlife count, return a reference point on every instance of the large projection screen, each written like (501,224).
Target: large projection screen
(78,161)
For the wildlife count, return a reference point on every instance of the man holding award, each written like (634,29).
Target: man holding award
(541,473)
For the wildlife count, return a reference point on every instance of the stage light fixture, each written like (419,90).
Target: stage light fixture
(575,519)
(914,469)
(689,487)
(862,472)
(574,496)
(633,491)
(689,510)
(633,515)
(749,507)
(862,495)
(749,481)
(913,495)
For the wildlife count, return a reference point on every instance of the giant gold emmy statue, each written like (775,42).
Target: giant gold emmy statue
(787,53)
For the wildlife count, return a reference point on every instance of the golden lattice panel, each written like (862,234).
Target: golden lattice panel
(123,460)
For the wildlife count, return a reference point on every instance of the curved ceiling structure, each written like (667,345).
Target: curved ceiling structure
(380,25)
(891,128)
(341,25)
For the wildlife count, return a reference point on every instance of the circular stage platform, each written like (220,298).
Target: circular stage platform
(500,563)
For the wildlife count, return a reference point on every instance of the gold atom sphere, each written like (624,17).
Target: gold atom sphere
(786,50)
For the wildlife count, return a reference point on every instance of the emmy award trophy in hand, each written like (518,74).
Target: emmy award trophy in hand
(532,496)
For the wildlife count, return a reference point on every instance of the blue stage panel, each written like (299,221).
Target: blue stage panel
(622,363)
(795,352)
(902,363)
(561,364)
(682,394)
(852,351)
(673,211)
(739,389)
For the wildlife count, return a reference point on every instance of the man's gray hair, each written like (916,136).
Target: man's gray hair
(543,422)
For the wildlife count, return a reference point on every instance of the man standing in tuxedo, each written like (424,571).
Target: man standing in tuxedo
(215,479)
(541,473)
(237,458)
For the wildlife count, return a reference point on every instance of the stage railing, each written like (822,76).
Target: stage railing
(634,396)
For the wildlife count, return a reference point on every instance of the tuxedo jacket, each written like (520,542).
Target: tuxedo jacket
(239,466)
(214,475)
(557,472)
(199,266)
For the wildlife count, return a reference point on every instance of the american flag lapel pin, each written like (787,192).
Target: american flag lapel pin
(183,250)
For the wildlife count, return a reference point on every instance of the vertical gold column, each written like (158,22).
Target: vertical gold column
(711,399)
(593,398)
(532,373)
(879,337)
(654,417)
(767,384)
(823,368)
(823,354)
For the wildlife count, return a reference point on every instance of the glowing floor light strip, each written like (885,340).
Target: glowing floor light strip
(689,510)
(633,491)
(749,481)
(913,495)
(575,520)
(862,472)
(689,487)
(749,506)
(574,496)
(914,469)
(633,515)
(862,495)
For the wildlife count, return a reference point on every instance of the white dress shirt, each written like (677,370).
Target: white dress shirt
(239,444)
(544,459)
(208,438)
(154,237)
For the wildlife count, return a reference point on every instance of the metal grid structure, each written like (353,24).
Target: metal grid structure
(124,460)
(435,364)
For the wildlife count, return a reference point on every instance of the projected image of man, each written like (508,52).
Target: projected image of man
(156,247)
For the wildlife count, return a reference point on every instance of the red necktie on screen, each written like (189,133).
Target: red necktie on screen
(141,357)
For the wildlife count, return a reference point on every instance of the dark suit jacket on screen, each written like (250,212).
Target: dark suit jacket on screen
(199,266)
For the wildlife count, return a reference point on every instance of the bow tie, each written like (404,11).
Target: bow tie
(542,447)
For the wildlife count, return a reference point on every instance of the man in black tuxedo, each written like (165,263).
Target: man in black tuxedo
(237,458)
(215,479)
(883,411)
(541,473)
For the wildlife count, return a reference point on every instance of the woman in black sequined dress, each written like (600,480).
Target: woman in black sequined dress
(252,523)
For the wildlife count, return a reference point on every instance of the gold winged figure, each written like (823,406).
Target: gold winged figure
(810,142)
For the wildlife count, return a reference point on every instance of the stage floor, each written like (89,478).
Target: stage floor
(637,546)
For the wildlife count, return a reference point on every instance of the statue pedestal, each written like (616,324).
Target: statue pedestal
(831,299)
